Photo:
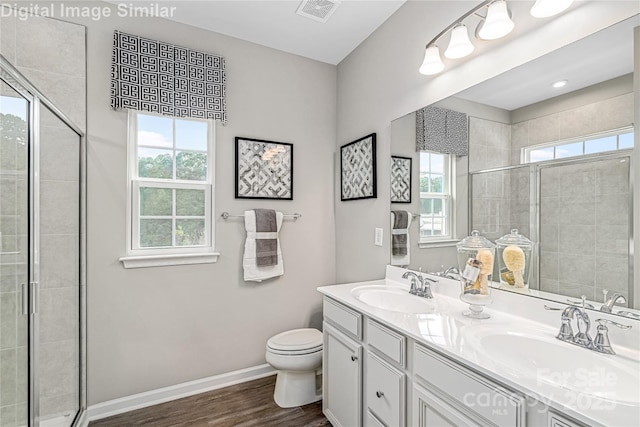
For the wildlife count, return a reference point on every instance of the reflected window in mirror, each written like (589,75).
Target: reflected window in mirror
(436,197)
(619,139)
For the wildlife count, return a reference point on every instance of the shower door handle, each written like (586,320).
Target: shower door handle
(25,299)
(35,297)
(30,298)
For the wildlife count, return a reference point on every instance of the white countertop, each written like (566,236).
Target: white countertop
(452,334)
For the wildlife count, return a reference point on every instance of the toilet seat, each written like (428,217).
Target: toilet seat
(296,342)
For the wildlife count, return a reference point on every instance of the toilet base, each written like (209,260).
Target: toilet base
(296,389)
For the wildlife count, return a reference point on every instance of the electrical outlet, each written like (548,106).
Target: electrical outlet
(378,238)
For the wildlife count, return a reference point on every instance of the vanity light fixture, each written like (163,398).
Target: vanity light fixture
(547,8)
(498,23)
(460,45)
(432,64)
(495,24)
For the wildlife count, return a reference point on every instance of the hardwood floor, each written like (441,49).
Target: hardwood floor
(248,404)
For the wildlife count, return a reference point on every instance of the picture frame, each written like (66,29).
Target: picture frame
(400,179)
(358,169)
(263,169)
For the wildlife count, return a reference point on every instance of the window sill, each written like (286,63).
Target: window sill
(437,244)
(166,260)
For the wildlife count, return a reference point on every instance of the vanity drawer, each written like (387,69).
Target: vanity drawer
(476,394)
(384,391)
(387,342)
(343,318)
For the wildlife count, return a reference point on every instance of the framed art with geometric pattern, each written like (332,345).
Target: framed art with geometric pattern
(400,179)
(358,169)
(264,169)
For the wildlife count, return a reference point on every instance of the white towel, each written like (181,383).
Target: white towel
(251,270)
(402,260)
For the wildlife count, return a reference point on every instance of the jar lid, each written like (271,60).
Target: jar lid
(475,241)
(514,238)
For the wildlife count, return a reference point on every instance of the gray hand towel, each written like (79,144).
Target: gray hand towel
(266,248)
(399,241)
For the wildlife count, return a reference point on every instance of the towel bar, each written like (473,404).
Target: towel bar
(226,215)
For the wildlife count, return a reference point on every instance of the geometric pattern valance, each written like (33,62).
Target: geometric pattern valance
(154,76)
(443,131)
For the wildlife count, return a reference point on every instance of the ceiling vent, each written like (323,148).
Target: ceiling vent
(318,10)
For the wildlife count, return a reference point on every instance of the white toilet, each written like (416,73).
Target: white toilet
(297,355)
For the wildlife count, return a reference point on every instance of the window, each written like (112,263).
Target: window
(608,141)
(171,190)
(436,202)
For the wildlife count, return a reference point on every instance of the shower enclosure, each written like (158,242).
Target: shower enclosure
(42,291)
(577,211)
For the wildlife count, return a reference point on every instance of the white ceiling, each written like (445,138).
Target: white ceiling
(275,23)
(600,57)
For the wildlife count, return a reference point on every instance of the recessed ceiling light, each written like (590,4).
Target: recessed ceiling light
(560,83)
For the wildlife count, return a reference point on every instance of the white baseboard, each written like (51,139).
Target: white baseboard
(166,394)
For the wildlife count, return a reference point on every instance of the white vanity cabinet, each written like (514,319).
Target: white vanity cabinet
(366,380)
(342,365)
(446,393)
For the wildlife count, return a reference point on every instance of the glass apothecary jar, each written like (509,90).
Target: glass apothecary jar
(514,261)
(476,256)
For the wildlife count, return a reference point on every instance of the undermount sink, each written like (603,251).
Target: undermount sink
(395,299)
(608,377)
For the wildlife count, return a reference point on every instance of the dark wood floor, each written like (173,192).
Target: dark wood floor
(248,404)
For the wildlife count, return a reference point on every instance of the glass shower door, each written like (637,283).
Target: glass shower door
(59,283)
(14,256)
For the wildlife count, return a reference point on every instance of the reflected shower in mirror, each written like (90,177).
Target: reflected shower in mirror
(552,162)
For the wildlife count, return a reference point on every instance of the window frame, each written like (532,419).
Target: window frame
(448,199)
(525,153)
(137,256)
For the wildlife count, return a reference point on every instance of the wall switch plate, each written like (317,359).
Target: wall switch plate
(378,238)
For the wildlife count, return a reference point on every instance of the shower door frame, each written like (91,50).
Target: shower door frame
(30,293)
(535,200)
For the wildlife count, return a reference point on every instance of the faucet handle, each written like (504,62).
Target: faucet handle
(602,322)
(601,342)
(546,307)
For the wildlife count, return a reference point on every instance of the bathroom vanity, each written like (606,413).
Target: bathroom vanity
(395,359)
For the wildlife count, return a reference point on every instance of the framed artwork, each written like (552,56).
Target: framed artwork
(264,169)
(358,169)
(400,179)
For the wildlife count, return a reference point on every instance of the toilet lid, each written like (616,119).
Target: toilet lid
(297,339)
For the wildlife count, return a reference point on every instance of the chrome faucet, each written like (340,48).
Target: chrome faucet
(582,338)
(449,273)
(609,302)
(424,289)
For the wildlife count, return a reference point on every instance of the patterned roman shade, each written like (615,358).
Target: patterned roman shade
(443,131)
(150,75)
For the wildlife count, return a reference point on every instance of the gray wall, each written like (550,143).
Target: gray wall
(156,327)
(392,55)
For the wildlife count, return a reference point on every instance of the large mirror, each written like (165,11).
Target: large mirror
(552,162)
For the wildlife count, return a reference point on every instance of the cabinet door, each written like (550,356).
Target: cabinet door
(385,391)
(341,379)
(429,411)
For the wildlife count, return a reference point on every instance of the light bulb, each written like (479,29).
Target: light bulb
(498,23)
(547,8)
(460,45)
(432,63)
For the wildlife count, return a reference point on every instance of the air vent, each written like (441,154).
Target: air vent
(318,10)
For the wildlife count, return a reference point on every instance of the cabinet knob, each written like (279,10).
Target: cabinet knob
(354,358)
(379,394)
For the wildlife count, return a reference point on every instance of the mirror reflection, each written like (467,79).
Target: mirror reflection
(552,162)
